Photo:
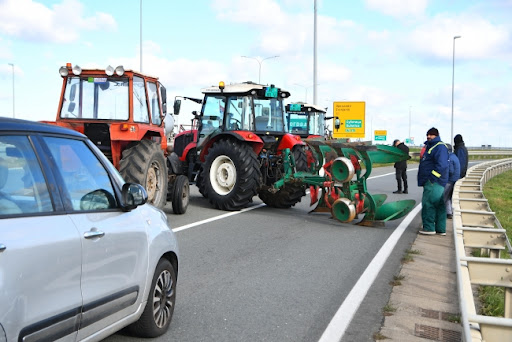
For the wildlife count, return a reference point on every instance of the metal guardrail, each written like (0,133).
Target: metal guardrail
(475,226)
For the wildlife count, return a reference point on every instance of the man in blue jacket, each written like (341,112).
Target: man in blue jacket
(433,176)
(453,176)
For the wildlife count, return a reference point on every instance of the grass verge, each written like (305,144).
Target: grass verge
(498,191)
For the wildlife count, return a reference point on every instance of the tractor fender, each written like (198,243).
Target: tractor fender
(289,141)
(174,164)
(244,136)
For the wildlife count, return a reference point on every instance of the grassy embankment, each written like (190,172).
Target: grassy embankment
(498,191)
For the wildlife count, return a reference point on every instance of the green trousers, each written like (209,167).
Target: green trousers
(433,208)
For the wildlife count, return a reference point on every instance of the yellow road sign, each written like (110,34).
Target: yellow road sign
(348,120)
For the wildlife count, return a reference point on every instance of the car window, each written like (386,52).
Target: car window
(23,189)
(86,180)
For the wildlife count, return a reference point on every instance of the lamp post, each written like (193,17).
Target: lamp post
(13,102)
(453,83)
(259,62)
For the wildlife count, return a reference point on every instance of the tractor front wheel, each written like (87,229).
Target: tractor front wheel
(144,163)
(231,175)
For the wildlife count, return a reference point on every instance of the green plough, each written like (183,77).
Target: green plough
(337,180)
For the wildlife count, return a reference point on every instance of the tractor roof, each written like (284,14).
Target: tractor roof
(304,108)
(240,88)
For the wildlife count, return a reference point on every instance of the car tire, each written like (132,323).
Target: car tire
(157,315)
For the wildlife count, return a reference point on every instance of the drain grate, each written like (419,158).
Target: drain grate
(434,314)
(436,334)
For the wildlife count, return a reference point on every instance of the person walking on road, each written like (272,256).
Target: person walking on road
(401,169)
(462,153)
(433,176)
(453,176)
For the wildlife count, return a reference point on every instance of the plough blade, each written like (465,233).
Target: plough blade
(337,179)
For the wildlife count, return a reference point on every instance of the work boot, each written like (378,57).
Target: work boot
(405,187)
(399,186)
(405,191)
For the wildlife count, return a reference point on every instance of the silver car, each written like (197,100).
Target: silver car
(81,254)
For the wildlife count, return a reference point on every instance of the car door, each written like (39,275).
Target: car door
(40,250)
(114,243)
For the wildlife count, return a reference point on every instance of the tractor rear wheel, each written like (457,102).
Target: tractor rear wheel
(144,163)
(200,182)
(291,193)
(231,175)
(180,195)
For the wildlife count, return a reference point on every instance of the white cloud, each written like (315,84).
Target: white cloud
(32,21)
(480,39)
(398,8)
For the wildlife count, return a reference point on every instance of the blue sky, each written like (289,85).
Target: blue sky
(394,55)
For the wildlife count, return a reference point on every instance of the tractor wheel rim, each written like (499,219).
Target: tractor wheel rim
(151,183)
(223,175)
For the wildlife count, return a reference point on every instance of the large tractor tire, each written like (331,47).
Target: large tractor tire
(231,175)
(200,182)
(144,163)
(291,193)
(180,195)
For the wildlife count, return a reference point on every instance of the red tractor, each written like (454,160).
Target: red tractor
(123,112)
(235,150)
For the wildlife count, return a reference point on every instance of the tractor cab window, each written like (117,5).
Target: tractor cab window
(98,98)
(212,116)
(154,104)
(317,124)
(297,123)
(239,113)
(269,115)
(140,107)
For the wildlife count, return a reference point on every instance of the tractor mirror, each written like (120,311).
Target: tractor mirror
(72,92)
(337,123)
(163,95)
(177,106)
(71,107)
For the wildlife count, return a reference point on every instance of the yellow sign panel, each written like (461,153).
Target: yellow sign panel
(384,132)
(348,120)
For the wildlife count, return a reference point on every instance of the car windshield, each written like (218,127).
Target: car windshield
(98,98)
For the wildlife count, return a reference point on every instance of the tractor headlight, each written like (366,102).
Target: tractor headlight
(63,71)
(109,70)
(77,70)
(120,70)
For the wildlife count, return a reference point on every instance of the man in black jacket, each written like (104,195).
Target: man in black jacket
(401,169)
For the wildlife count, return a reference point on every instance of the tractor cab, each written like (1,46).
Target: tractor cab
(243,107)
(305,120)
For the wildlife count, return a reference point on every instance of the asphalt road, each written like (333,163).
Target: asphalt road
(265,274)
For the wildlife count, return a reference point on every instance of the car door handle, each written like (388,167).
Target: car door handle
(91,234)
(2,247)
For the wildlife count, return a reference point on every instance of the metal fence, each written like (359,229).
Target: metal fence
(475,226)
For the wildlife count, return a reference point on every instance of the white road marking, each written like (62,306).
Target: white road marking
(220,217)
(339,323)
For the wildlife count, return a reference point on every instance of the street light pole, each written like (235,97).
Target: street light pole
(259,62)
(453,83)
(140,35)
(13,102)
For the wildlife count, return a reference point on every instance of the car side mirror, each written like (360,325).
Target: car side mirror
(132,196)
